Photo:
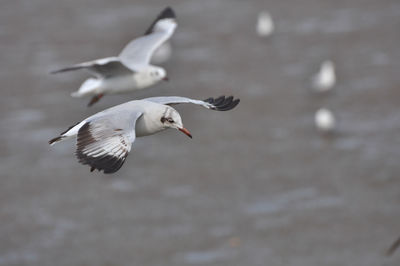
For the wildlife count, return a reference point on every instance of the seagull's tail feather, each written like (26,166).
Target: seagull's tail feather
(65,69)
(55,140)
(88,87)
(76,94)
(70,132)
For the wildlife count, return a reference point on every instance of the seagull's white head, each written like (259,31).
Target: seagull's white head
(171,119)
(157,73)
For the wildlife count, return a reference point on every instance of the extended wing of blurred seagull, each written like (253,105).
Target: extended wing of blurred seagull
(131,70)
(105,139)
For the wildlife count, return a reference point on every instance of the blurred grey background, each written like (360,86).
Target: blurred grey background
(256,186)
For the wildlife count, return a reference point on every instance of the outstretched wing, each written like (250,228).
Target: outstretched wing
(104,142)
(166,13)
(219,104)
(137,53)
(101,68)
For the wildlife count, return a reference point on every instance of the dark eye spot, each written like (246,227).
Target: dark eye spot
(170,120)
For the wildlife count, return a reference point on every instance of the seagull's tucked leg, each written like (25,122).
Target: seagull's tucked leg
(95,99)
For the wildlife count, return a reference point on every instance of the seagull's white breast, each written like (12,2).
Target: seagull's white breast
(144,79)
(119,84)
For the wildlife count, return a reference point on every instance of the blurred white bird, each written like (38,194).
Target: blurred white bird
(162,54)
(325,79)
(325,120)
(265,24)
(131,69)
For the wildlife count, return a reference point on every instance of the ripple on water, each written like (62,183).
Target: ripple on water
(280,202)
(25,116)
(122,185)
(202,257)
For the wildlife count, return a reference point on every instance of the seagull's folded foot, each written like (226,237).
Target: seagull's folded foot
(95,99)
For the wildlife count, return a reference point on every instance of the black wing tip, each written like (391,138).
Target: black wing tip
(168,12)
(222,103)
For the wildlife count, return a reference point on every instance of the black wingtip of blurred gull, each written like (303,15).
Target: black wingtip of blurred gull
(168,12)
(222,103)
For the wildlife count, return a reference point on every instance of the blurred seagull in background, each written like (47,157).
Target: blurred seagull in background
(105,139)
(131,70)
(325,79)
(265,24)
(325,120)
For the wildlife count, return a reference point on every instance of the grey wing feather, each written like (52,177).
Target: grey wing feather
(101,68)
(105,140)
(219,104)
(137,54)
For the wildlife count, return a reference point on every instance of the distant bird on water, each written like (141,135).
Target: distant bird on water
(325,79)
(131,70)
(325,120)
(105,139)
(265,24)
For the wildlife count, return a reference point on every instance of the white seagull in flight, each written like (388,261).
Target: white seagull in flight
(131,70)
(105,139)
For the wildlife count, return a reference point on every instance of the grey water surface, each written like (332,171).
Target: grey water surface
(258,185)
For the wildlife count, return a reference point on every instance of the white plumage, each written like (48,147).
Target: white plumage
(325,120)
(325,79)
(265,24)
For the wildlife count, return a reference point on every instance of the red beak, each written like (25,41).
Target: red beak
(166,79)
(185,131)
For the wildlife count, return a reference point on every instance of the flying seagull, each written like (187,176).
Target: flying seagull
(131,69)
(105,139)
